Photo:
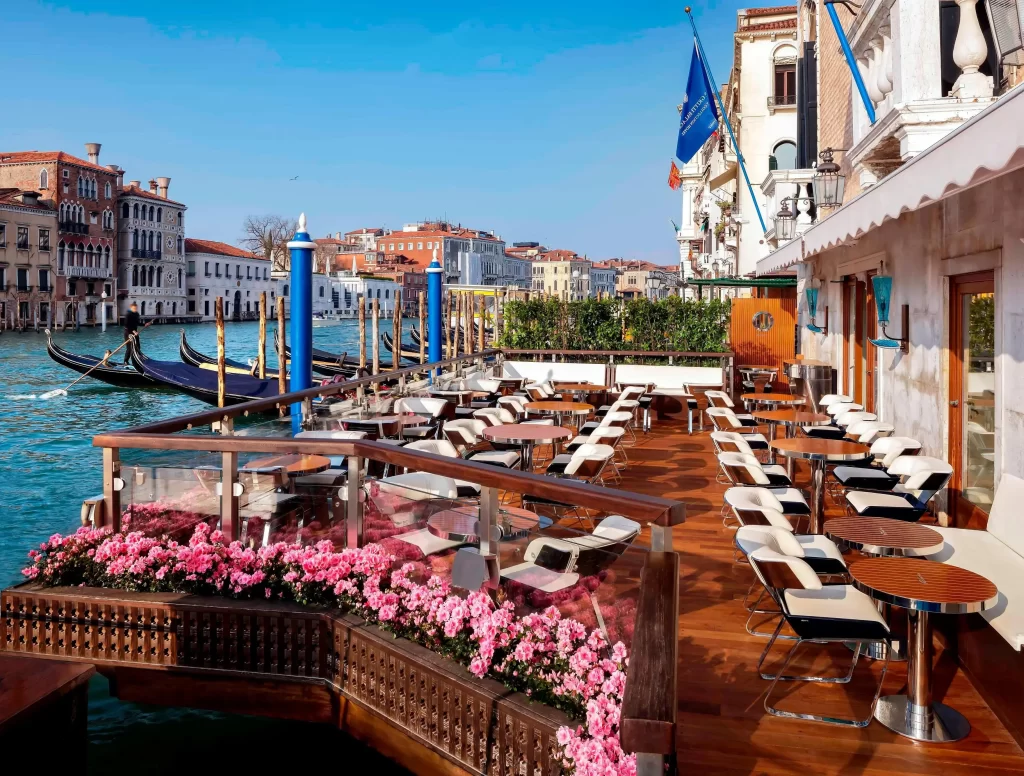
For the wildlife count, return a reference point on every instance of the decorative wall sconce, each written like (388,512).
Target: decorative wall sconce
(812,310)
(882,285)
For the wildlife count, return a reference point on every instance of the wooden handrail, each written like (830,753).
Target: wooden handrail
(185,422)
(649,510)
(648,723)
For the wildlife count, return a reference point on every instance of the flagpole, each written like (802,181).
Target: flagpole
(725,117)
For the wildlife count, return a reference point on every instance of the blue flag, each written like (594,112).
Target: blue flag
(699,117)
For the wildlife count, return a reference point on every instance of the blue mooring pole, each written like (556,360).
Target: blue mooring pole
(435,278)
(854,70)
(300,249)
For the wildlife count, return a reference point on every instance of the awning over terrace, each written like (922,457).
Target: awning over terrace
(988,145)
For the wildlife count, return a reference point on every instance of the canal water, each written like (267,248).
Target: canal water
(48,466)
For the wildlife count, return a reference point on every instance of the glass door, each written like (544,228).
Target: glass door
(973,388)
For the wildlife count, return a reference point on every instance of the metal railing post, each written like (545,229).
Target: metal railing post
(307,412)
(112,485)
(353,514)
(229,493)
(488,528)
(661,538)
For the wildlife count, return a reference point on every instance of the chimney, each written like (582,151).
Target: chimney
(120,175)
(134,184)
(152,186)
(93,150)
(162,184)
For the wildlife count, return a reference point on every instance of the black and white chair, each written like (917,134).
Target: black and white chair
(514,404)
(724,419)
(835,410)
(873,474)
(747,472)
(465,435)
(587,464)
(551,565)
(433,408)
(817,614)
(868,431)
(336,474)
(410,491)
(829,399)
(735,442)
(923,477)
(755,507)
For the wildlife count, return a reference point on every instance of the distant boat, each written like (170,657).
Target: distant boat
(325,320)
(409,352)
(202,383)
(112,373)
(194,358)
(329,364)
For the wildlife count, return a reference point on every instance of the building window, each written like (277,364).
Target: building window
(206,307)
(151,214)
(179,245)
(321,292)
(419,246)
(44,179)
(284,291)
(159,215)
(22,238)
(106,190)
(179,278)
(124,210)
(44,280)
(783,156)
(248,273)
(216,269)
(191,305)
(264,273)
(135,276)
(206,268)
(106,257)
(785,84)
(179,218)
(44,239)
(22,279)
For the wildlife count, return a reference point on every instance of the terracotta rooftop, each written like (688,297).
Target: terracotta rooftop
(27,157)
(219,248)
(136,191)
(10,197)
(367,230)
(558,254)
(777,10)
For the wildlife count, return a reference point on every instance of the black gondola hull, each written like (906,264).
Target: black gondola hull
(120,376)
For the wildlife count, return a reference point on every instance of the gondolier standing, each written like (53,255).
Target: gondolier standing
(131,327)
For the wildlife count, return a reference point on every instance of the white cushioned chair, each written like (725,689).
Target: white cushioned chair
(923,477)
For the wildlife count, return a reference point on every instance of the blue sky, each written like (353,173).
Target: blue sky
(543,121)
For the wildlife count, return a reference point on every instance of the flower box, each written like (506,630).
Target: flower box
(476,723)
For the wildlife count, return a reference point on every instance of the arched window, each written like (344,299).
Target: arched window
(81,255)
(79,187)
(179,218)
(135,240)
(159,241)
(135,275)
(783,156)
(88,256)
(284,290)
(386,293)
(60,256)
(179,278)
(94,190)
(151,278)
(174,308)
(159,215)
(143,308)
(378,293)
(125,213)
(151,213)
(179,245)
(158,277)
(321,292)
(136,210)
(44,179)
(106,257)
(106,190)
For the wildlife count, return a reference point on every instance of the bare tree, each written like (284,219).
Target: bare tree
(323,258)
(269,236)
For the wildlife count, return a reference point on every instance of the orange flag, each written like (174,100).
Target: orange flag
(675,179)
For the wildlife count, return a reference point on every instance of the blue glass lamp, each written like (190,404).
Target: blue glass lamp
(882,285)
(812,310)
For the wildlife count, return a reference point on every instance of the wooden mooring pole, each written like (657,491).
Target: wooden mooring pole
(218,309)
(262,355)
(423,331)
(375,330)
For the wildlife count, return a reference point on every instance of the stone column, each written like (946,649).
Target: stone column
(916,55)
(970,53)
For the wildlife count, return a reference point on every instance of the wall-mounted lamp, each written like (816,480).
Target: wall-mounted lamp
(812,310)
(882,285)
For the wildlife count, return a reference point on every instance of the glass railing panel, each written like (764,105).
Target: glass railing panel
(168,500)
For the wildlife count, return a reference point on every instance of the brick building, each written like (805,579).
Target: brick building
(469,256)
(84,195)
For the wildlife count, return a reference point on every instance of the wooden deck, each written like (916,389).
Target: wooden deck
(723,727)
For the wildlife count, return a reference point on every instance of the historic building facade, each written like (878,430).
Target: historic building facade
(84,195)
(151,252)
(215,269)
(28,226)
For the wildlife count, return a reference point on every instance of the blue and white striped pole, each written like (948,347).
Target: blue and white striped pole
(435,278)
(300,249)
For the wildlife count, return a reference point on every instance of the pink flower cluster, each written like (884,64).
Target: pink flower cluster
(554,660)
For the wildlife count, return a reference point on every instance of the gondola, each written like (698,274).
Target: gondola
(329,364)
(123,376)
(202,383)
(194,358)
(409,352)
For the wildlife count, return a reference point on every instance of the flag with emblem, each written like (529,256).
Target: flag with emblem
(675,179)
(698,115)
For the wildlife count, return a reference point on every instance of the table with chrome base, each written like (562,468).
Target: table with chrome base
(885,537)
(790,419)
(526,435)
(820,452)
(922,587)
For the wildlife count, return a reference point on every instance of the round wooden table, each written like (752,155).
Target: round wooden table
(885,537)
(294,465)
(560,409)
(922,587)
(580,390)
(790,419)
(462,524)
(526,435)
(820,452)
(773,399)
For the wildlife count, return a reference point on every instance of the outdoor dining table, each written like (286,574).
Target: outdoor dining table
(526,435)
(820,452)
(385,420)
(885,537)
(462,524)
(580,390)
(772,399)
(294,465)
(922,587)
(790,419)
(560,409)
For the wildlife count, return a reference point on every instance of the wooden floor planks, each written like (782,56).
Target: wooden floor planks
(723,728)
